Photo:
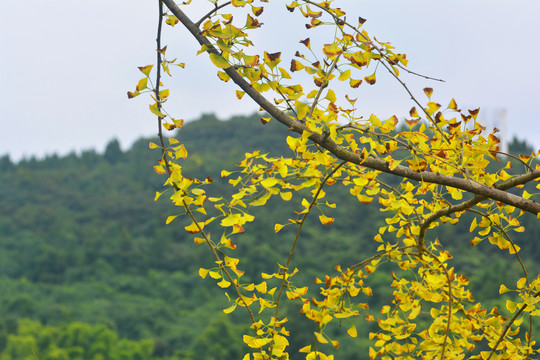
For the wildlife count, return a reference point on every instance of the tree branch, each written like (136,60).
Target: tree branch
(518,180)
(207,15)
(343,154)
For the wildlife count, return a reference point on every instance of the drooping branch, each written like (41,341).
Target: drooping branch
(349,156)
(158,79)
(301,224)
(508,325)
(165,159)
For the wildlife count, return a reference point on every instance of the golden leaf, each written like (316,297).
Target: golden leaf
(219,61)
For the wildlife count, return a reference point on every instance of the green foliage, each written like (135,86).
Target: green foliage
(518,146)
(219,340)
(6,164)
(83,242)
(113,153)
(76,341)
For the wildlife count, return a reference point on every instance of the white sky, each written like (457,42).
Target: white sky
(66,65)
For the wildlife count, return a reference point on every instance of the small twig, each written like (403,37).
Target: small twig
(417,74)
(507,327)
(450,301)
(383,56)
(207,15)
(33,352)
(391,188)
(522,268)
(525,273)
(158,80)
(323,86)
(413,98)
(376,256)
(301,224)
(514,157)
(287,100)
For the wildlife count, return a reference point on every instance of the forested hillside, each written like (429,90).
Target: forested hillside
(89,270)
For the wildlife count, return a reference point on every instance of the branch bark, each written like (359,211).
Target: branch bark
(338,151)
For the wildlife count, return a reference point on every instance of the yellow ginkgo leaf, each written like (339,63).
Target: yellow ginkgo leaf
(352,331)
(219,61)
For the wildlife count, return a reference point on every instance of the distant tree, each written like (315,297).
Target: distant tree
(439,167)
(517,146)
(113,152)
(51,161)
(218,341)
(90,157)
(6,164)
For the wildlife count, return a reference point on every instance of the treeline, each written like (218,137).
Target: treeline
(88,269)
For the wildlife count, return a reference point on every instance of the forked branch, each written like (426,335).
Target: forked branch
(349,156)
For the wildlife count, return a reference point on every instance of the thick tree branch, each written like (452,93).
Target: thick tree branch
(341,153)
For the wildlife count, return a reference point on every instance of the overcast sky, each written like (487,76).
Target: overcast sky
(66,65)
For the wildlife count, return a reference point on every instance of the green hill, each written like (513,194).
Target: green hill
(89,270)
